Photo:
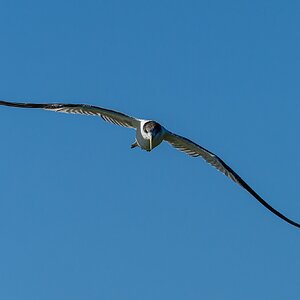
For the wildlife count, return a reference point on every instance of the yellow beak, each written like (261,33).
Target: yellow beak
(150,142)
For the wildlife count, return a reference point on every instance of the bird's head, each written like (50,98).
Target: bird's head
(151,129)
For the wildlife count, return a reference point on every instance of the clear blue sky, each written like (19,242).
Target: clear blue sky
(82,216)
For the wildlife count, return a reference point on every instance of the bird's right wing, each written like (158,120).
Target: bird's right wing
(191,148)
(108,115)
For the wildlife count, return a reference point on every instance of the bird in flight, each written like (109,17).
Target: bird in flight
(149,134)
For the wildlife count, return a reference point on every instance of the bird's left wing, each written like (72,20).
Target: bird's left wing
(191,148)
(108,115)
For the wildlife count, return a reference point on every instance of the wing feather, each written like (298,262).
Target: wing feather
(108,115)
(189,147)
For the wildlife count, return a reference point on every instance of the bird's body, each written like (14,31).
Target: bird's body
(149,134)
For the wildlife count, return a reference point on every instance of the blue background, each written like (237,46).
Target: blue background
(82,216)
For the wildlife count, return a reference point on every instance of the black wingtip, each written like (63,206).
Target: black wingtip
(22,104)
(240,181)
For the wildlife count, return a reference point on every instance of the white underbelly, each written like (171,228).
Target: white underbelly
(144,142)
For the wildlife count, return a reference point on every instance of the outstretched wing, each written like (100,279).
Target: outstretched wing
(191,148)
(108,115)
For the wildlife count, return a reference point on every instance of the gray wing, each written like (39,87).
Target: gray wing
(185,145)
(191,148)
(108,115)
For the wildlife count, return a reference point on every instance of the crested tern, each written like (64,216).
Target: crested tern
(149,134)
